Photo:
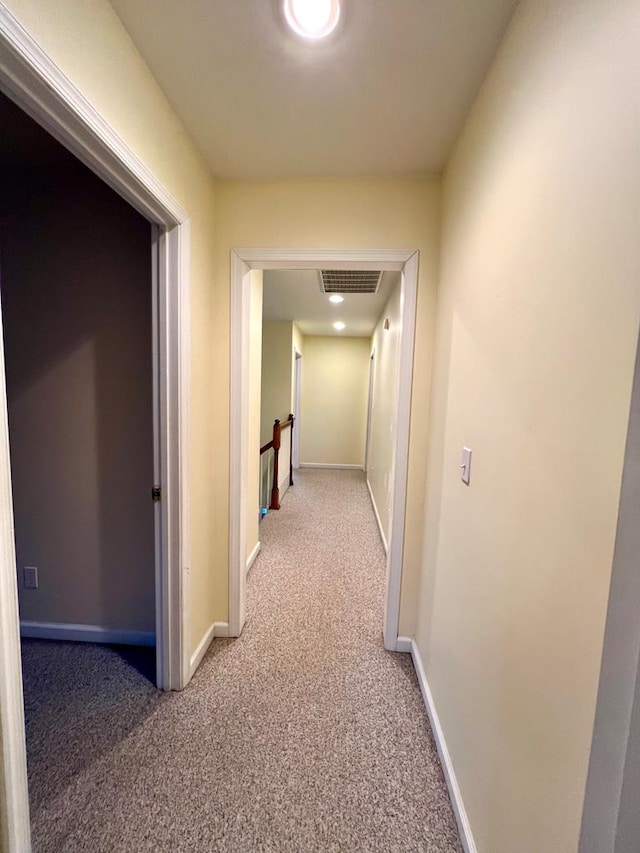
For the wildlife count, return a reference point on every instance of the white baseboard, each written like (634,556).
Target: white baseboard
(85,633)
(382,536)
(250,561)
(331,465)
(464,827)
(216,629)
(403,644)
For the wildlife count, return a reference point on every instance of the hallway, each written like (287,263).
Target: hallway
(304,735)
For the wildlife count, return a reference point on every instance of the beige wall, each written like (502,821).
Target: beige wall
(89,44)
(334,400)
(277,343)
(537,326)
(255,386)
(386,355)
(364,214)
(76,306)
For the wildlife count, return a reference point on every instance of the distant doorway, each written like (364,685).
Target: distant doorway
(243,262)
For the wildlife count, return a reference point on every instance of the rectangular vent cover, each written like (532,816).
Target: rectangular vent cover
(350,281)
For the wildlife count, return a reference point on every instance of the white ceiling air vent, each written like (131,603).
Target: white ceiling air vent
(349,281)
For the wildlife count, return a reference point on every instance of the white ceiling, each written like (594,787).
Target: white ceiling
(385,95)
(296,295)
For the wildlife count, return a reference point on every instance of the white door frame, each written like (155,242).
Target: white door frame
(297,406)
(372,367)
(38,86)
(614,759)
(242,262)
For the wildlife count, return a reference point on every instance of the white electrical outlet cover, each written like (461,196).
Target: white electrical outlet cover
(30,575)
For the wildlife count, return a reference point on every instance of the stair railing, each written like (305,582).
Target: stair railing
(275,445)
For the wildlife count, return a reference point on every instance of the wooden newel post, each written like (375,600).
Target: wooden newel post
(275,491)
(293,423)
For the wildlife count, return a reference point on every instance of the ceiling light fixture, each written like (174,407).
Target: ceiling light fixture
(336,299)
(312,19)
(339,326)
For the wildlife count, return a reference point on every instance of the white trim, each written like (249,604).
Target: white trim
(239,409)
(383,538)
(216,629)
(310,259)
(464,827)
(181,397)
(297,406)
(85,633)
(243,260)
(331,465)
(174,364)
(607,822)
(252,556)
(15,831)
(367,446)
(403,645)
(400,458)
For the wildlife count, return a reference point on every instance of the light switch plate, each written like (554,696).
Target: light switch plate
(465,468)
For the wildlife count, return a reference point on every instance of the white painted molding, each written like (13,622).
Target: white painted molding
(242,261)
(383,538)
(181,396)
(216,629)
(349,259)
(464,827)
(239,414)
(15,833)
(85,633)
(400,457)
(403,645)
(252,556)
(338,466)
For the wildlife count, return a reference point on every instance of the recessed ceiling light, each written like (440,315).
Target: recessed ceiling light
(339,326)
(312,19)
(336,298)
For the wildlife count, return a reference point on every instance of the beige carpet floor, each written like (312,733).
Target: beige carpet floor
(304,735)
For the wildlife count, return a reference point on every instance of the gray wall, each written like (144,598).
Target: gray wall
(76,300)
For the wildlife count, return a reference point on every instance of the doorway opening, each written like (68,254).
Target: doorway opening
(75,284)
(244,264)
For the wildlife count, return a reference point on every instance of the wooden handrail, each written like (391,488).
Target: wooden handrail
(275,443)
